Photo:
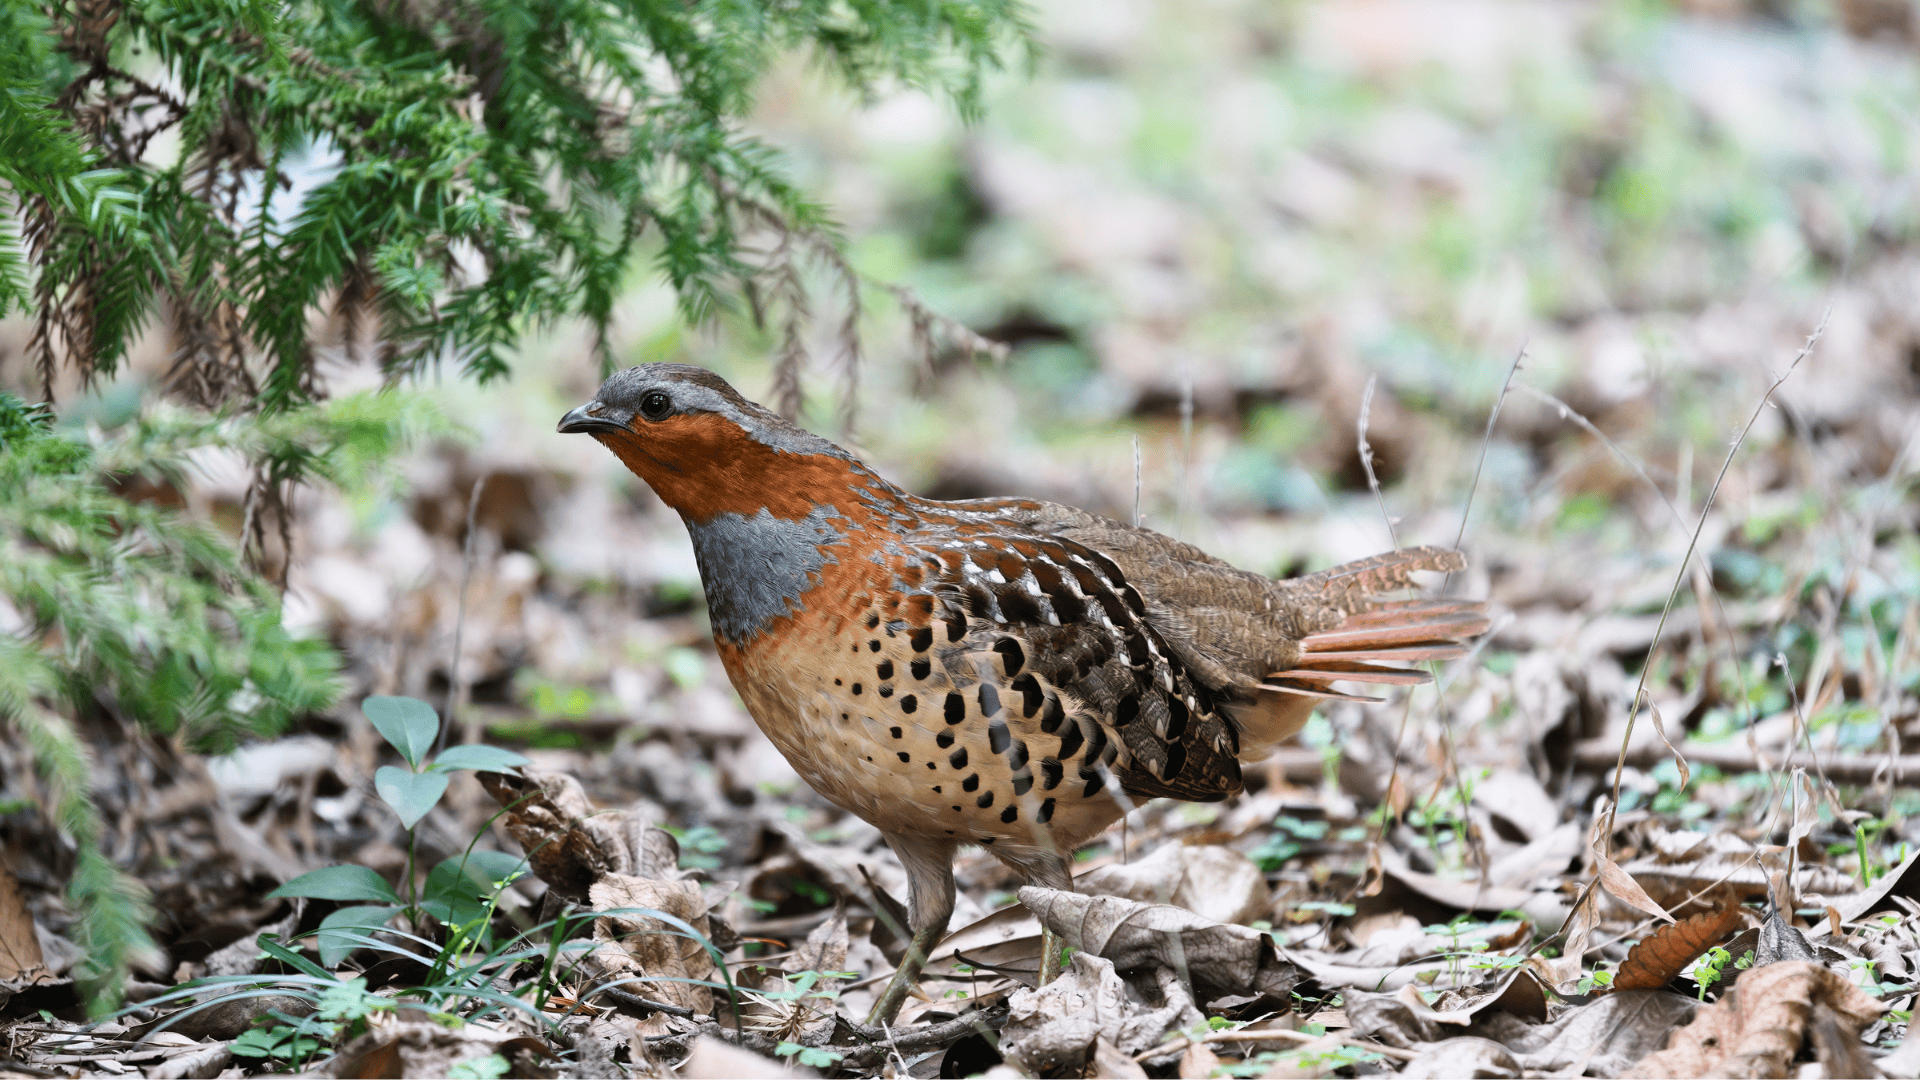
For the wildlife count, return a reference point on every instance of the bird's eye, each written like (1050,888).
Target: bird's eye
(656,405)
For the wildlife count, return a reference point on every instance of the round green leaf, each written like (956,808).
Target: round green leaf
(410,794)
(475,756)
(339,883)
(341,931)
(409,724)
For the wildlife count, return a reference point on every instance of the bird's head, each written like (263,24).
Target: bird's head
(706,450)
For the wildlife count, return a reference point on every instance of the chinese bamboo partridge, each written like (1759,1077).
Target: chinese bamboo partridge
(997,671)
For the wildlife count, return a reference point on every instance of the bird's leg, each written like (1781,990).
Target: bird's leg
(929,868)
(1049,871)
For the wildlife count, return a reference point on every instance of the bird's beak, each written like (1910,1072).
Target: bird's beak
(593,416)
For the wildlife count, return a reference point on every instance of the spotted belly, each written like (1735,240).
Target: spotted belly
(931,730)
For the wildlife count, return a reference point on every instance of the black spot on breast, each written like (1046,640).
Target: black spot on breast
(895,732)
(921,639)
(956,626)
(1176,760)
(1022,783)
(956,708)
(1127,711)
(930,765)
(998,737)
(958,759)
(1096,741)
(873,620)
(1176,718)
(1045,813)
(1031,696)
(884,669)
(920,668)
(1012,656)
(1051,716)
(1070,740)
(1017,757)
(874,645)
(936,789)
(943,740)
(909,703)
(987,841)
(985,800)
(905,758)
(989,699)
(971,783)
(1093,783)
(956,808)
(857,688)
(837,682)
(884,691)
(1051,773)
(1010,814)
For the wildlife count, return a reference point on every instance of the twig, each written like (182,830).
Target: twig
(1366,458)
(1599,754)
(1680,577)
(1486,443)
(460,613)
(915,1040)
(637,1002)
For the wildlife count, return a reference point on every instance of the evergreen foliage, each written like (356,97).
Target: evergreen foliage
(456,171)
(124,605)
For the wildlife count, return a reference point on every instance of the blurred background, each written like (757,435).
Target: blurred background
(1204,230)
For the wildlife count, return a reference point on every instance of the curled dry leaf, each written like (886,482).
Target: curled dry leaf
(1604,1037)
(1218,959)
(569,844)
(1054,1030)
(1771,1015)
(1464,1055)
(1669,949)
(671,965)
(424,1048)
(1211,881)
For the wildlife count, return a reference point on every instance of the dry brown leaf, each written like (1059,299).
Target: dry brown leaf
(1211,881)
(1621,884)
(1220,959)
(20,957)
(1604,1037)
(669,964)
(1759,1028)
(1198,1062)
(1669,949)
(568,844)
(1055,1030)
(1463,1055)
(424,1048)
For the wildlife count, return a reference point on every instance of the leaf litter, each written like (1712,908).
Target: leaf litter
(1506,917)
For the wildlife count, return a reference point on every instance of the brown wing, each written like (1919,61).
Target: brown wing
(1080,630)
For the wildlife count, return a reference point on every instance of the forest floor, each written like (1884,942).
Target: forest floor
(1207,244)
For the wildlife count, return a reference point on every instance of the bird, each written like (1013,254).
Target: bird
(1002,672)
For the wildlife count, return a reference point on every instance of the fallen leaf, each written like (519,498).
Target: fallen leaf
(1053,1031)
(1759,1028)
(1663,954)
(1219,959)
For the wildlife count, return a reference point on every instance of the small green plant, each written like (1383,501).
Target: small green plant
(699,847)
(461,890)
(1594,980)
(1710,967)
(1286,841)
(811,1056)
(341,1010)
